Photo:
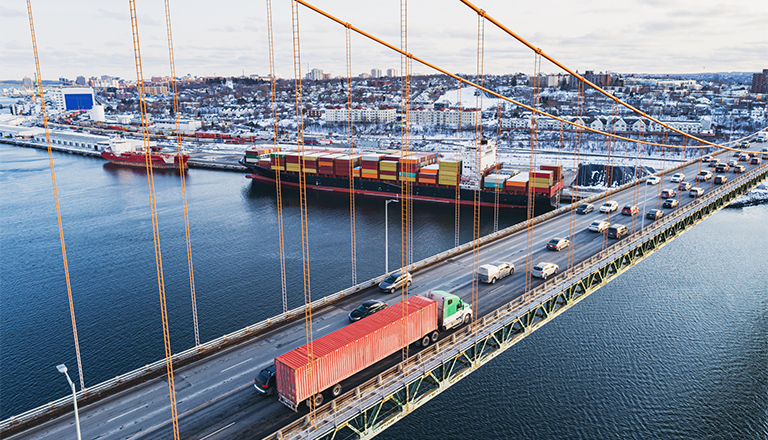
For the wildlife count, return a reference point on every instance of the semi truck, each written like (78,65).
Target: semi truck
(351,349)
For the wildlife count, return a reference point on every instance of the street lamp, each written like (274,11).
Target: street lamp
(386,235)
(63,369)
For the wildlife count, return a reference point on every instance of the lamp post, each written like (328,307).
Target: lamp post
(386,235)
(63,369)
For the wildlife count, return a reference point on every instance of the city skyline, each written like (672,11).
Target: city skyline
(230,40)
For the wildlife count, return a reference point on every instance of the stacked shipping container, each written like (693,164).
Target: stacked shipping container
(428,174)
(450,172)
(388,169)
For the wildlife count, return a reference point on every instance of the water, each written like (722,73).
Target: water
(108,233)
(675,348)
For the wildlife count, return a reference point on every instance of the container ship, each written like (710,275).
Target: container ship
(121,152)
(432,178)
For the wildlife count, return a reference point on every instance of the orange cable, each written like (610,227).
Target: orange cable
(182,168)
(55,195)
(458,158)
(405,91)
(278,183)
(303,208)
(153,211)
(353,239)
(478,173)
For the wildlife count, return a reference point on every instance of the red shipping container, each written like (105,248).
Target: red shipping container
(353,348)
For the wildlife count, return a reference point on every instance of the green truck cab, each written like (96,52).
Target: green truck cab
(451,310)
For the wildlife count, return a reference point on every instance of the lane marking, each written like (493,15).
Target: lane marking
(218,431)
(126,413)
(320,329)
(237,365)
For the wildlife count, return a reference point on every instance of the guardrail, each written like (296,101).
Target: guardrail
(369,393)
(225,341)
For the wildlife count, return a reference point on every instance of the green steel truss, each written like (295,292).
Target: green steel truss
(373,407)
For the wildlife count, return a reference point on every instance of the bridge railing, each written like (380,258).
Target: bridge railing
(376,389)
(224,341)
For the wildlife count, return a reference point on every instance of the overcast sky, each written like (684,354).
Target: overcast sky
(229,37)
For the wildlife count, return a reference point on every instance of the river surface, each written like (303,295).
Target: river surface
(677,347)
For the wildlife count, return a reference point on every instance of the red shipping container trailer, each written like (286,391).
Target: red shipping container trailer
(352,349)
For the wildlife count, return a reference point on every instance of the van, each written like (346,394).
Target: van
(762,137)
(489,273)
(617,231)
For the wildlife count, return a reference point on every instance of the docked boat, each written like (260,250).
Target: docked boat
(121,152)
(432,178)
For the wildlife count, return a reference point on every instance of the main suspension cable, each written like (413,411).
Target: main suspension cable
(44,115)
(153,211)
(478,172)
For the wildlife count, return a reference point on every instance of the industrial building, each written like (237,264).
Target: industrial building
(73,98)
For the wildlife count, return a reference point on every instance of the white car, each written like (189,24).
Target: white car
(609,206)
(678,177)
(544,270)
(599,226)
(653,180)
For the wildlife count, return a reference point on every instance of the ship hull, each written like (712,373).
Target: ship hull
(159,160)
(380,188)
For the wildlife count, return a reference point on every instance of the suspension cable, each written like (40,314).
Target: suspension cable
(278,184)
(576,165)
(350,127)
(303,207)
(182,169)
(457,215)
(705,144)
(532,169)
(405,187)
(39,85)
(478,172)
(498,164)
(153,211)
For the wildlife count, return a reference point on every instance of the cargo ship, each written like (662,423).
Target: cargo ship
(432,178)
(121,152)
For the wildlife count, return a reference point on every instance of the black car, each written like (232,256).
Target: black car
(654,214)
(266,382)
(367,308)
(585,208)
(670,203)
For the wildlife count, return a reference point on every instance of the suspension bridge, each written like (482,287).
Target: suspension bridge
(185,389)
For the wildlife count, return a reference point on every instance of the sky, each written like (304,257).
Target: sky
(230,38)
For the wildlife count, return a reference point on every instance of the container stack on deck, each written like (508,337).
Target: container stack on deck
(428,174)
(292,162)
(277,161)
(496,181)
(450,172)
(325,164)
(310,162)
(254,154)
(517,183)
(343,164)
(388,169)
(370,166)
(541,181)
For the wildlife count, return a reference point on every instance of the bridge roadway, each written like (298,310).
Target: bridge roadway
(215,395)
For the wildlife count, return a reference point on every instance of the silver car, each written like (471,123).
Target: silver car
(544,270)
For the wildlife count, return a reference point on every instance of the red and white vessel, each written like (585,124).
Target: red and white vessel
(121,152)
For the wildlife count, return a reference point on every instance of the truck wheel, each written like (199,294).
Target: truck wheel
(467,318)
(434,336)
(425,341)
(336,390)
(318,400)
(493,280)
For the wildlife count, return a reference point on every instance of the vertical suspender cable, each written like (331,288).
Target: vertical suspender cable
(478,169)
(44,115)
(405,93)
(182,170)
(532,169)
(353,239)
(576,164)
(303,203)
(278,185)
(498,164)
(153,210)
(458,158)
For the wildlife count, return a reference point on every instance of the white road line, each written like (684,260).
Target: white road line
(218,431)
(236,365)
(323,328)
(125,414)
